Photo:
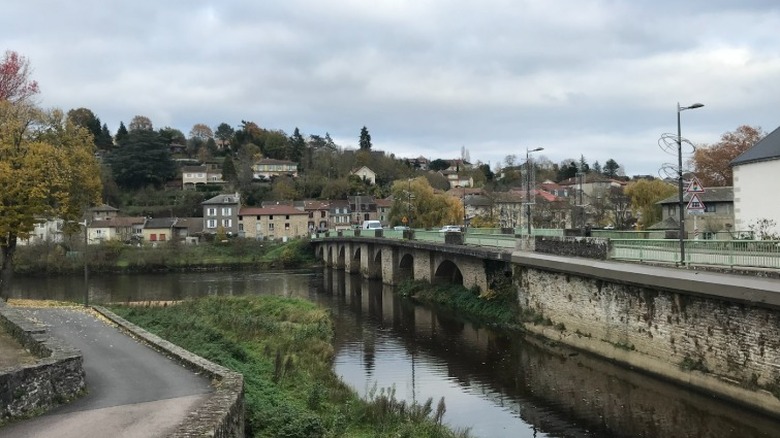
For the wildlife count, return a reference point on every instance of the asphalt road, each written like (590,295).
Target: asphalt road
(133,391)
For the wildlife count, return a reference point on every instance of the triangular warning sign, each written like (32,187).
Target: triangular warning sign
(695,186)
(695,203)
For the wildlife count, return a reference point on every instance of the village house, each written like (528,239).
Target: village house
(273,222)
(753,172)
(221,213)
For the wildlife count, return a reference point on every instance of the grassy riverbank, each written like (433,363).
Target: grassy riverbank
(282,347)
(115,257)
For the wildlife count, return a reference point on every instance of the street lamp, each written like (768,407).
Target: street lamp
(528,185)
(680,199)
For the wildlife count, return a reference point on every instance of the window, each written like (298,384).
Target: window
(322,213)
(227,211)
(286,226)
(287,217)
(311,214)
(211,211)
(270,217)
(162,237)
(227,223)
(211,223)
(153,237)
(240,227)
(270,227)
(710,208)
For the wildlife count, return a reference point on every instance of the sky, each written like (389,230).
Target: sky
(599,79)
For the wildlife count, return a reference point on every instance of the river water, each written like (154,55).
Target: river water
(495,384)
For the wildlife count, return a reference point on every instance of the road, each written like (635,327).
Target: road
(133,391)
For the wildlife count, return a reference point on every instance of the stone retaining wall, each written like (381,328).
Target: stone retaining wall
(587,247)
(58,376)
(222,415)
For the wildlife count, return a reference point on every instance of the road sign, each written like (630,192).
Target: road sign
(404,220)
(695,205)
(695,186)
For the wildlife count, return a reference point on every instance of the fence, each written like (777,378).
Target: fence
(732,253)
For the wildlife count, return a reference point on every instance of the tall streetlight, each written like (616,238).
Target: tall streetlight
(680,199)
(528,186)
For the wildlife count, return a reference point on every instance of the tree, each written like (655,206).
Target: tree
(711,162)
(611,168)
(619,208)
(104,141)
(15,83)
(142,158)
(297,146)
(365,139)
(140,123)
(121,133)
(427,209)
(229,173)
(583,166)
(33,144)
(645,195)
(567,169)
(438,164)
(597,167)
(201,131)
(224,134)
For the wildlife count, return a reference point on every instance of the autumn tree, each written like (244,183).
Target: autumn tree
(47,170)
(15,82)
(201,131)
(645,195)
(365,139)
(422,206)
(140,123)
(711,162)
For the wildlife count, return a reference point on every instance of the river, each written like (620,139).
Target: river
(494,383)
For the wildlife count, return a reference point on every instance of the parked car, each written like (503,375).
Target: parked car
(450,229)
(372,225)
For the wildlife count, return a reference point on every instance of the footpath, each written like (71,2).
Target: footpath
(133,391)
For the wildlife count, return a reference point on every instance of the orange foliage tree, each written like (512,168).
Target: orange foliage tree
(711,162)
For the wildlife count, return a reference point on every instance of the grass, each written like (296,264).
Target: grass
(282,347)
(495,307)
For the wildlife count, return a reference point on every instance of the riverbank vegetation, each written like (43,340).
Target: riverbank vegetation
(496,306)
(283,348)
(116,257)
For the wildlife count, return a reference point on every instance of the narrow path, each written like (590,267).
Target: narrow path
(133,391)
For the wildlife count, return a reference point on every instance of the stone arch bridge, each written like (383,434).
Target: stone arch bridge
(393,260)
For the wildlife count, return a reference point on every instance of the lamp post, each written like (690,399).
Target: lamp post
(528,186)
(680,199)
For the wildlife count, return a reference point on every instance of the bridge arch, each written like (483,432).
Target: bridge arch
(341,256)
(448,272)
(375,267)
(405,268)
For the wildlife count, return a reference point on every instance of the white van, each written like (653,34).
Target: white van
(372,225)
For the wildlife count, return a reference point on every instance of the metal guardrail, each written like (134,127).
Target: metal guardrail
(732,253)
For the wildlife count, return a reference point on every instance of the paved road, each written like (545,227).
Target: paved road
(133,391)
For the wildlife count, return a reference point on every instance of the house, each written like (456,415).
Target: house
(477,205)
(458,178)
(509,208)
(716,222)
(363,209)
(274,222)
(122,228)
(158,229)
(46,230)
(339,215)
(103,212)
(318,212)
(420,162)
(269,168)
(188,229)
(221,212)
(192,176)
(383,207)
(365,174)
(753,171)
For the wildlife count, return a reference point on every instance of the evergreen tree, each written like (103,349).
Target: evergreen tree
(104,141)
(297,146)
(597,167)
(143,158)
(611,168)
(121,133)
(583,165)
(365,139)
(229,173)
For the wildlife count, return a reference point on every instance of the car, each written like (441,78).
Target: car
(450,229)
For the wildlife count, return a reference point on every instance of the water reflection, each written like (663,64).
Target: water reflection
(498,384)
(505,385)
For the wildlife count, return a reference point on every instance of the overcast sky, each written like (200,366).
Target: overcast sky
(597,78)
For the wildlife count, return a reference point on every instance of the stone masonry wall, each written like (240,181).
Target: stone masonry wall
(222,415)
(588,247)
(728,348)
(58,376)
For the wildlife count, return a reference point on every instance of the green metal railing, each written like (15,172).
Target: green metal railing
(732,253)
